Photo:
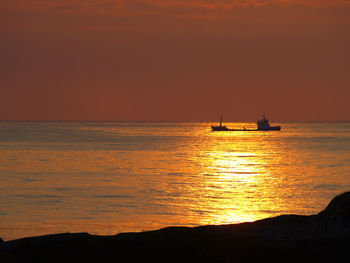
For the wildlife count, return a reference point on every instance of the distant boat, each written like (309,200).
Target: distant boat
(220,127)
(263,125)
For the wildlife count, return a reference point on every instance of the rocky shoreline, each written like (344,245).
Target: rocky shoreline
(324,237)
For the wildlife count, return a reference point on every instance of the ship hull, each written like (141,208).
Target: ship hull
(224,128)
(273,128)
(219,128)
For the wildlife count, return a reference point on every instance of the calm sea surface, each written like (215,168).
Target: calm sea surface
(106,178)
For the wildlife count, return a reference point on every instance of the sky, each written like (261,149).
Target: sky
(175,60)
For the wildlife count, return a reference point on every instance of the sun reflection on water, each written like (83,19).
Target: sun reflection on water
(234,179)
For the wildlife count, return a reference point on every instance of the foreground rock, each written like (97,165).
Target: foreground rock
(324,237)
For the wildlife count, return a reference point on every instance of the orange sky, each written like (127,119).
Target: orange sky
(174,60)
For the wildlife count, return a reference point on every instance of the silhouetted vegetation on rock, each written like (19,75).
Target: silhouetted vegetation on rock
(324,237)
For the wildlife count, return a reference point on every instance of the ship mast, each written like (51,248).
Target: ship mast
(220,120)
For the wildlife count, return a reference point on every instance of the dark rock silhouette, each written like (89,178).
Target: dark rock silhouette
(1,240)
(324,237)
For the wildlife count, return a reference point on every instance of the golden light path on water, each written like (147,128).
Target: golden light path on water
(238,169)
(232,179)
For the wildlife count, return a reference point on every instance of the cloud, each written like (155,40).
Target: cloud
(153,15)
(132,7)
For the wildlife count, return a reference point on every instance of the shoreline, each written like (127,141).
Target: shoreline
(324,237)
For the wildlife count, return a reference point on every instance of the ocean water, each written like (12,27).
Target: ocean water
(111,177)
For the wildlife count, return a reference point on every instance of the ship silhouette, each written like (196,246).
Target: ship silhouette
(262,125)
(220,127)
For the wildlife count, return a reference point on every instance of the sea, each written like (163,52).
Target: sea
(106,178)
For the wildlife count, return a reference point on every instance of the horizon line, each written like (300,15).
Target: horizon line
(174,121)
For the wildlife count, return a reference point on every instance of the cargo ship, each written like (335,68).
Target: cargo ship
(262,125)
